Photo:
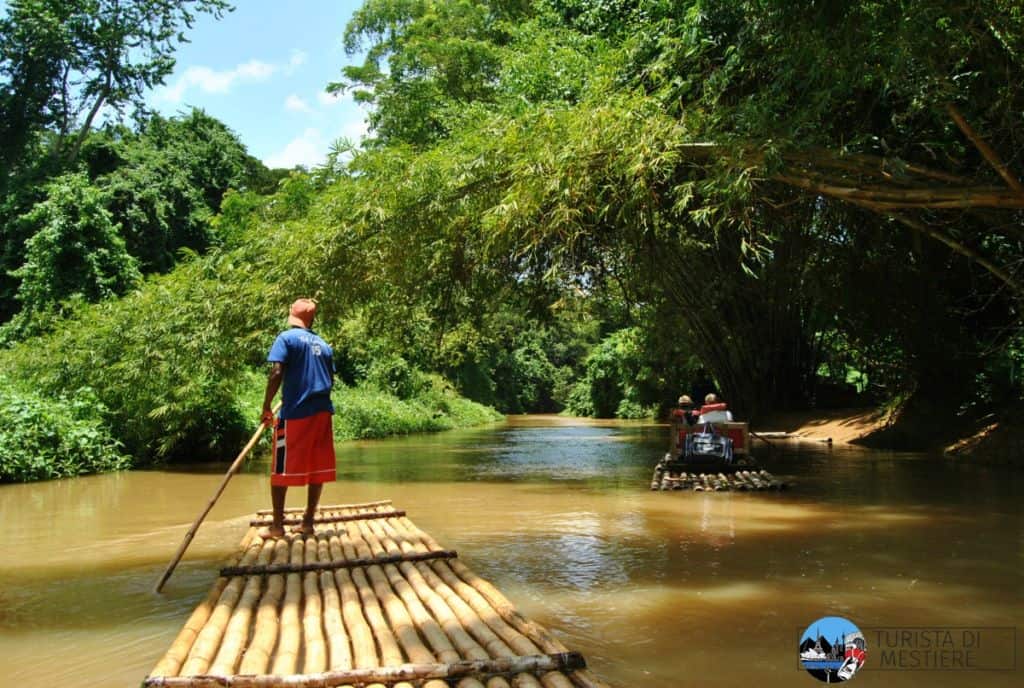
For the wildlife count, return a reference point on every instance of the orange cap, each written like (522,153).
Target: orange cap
(302,312)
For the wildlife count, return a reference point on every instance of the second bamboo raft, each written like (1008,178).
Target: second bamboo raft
(368,600)
(665,478)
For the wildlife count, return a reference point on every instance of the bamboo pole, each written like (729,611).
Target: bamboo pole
(287,655)
(949,241)
(333,518)
(235,465)
(264,637)
(178,652)
(208,640)
(330,564)
(764,438)
(315,660)
(392,675)
(327,507)
(947,197)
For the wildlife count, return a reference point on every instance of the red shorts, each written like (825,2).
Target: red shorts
(303,451)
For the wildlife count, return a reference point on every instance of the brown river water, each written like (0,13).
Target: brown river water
(656,589)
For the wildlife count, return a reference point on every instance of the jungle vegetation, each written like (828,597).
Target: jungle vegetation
(579,205)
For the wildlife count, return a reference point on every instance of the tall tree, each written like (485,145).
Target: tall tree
(62,62)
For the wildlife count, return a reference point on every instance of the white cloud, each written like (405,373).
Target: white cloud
(214,81)
(254,69)
(309,149)
(355,130)
(296,104)
(297,59)
(325,98)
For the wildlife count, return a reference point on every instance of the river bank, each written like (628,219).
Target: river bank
(990,439)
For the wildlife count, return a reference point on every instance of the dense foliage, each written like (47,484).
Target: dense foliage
(748,171)
(53,437)
(134,201)
(590,206)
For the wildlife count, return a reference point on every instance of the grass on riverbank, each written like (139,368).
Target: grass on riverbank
(362,413)
(365,412)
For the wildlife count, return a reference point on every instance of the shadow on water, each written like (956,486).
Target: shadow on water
(655,588)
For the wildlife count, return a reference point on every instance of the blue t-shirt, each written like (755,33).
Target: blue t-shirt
(308,372)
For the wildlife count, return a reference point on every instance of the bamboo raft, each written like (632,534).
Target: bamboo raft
(369,600)
(744,480)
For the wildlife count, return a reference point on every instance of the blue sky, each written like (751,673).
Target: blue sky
(831,627)
(262,70)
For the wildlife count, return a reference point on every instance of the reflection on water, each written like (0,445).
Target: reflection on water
(657,589)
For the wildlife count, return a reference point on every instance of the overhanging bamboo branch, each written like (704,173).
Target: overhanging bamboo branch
(949,241)
(985,149)
(939,197)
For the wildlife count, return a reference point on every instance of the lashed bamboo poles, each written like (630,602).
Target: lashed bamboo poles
(401,622)
(457,619)
(396,675)
(744,480)
(390,654)
(520,642)
(175,656)
(205,647)
(376,615)
(363,647)
(236,632)
(199,640)
(449,640)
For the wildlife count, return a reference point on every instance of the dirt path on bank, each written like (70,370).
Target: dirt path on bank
(993,441)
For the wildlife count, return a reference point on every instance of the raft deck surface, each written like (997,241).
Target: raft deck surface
(368,600)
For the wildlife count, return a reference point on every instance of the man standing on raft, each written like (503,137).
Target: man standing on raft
(303,447)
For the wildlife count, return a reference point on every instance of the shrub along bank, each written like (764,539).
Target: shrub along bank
(43,438)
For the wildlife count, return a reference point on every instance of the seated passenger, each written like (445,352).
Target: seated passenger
(685,411)
(714,411)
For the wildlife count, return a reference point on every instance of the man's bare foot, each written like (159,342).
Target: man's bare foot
(271,532)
